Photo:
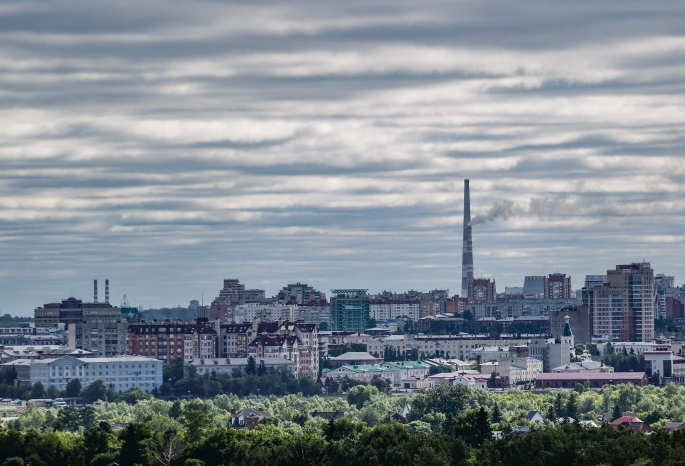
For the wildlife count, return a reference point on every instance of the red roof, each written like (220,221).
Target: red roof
(625,420)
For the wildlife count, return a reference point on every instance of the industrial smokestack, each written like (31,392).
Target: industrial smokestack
(467,251)
(95,291)
(107,291)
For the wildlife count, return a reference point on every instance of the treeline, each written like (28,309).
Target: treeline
(624,361)
(7,320)
(465,439)
(257,379)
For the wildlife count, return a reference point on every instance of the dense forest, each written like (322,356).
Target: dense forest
(446,426)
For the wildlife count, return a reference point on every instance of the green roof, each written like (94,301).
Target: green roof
(366,368)
(408,365)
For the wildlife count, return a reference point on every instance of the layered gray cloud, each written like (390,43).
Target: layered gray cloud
(167,146)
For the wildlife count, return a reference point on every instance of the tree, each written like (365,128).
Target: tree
(38,391)
(14,461)
(572,406)
(616,413)
(440,369)
(559,411)
(176,410)
(165,447)
(361,394)
(251,368)
(383,386)
(496,414)
(9,373)
(445,399)
(69,418)
(261,369)
(196,425)
(52,392)
(134,440)
(96,390)
(73,388)
(133,395)
(473,427)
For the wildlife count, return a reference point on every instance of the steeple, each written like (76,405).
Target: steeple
(567,334)
(567,327)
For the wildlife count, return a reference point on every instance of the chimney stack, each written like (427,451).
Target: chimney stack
(467,251)
(107,291)
(95,291)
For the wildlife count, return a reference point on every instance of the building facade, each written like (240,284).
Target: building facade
(390,309)
(349,310)
(557,286)
(170,340)
(72,310)
(294,341)
(103,339)
(482,290)
(623,309)
(122,372)
(299,293)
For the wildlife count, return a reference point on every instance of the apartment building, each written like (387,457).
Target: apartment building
(391,309)
(122,372)
(623,308)
(233,340)
(295,341)
(103,339)
(453,346)
(169,340)
(557,286)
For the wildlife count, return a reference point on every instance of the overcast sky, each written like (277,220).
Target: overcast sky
(169,145)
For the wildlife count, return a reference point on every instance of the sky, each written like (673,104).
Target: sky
(166,146)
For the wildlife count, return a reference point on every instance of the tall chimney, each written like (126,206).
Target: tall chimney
(95,291)
(107,290)
(467,252)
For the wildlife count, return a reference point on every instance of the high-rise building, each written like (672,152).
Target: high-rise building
(299,293)
(482,290)
(534,285)
(234,292)
(72,310)
(623,308)
(663,287)
(467,245)
(349,310)
(557,286)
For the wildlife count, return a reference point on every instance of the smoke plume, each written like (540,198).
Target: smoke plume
(543,206)
(503,210)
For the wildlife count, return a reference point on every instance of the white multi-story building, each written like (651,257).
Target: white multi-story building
(453,346)
(404,370)
(515,369)
(390,309)
(121,372)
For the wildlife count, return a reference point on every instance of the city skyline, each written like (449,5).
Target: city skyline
(167,149)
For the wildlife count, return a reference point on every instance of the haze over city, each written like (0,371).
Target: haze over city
(169,148)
